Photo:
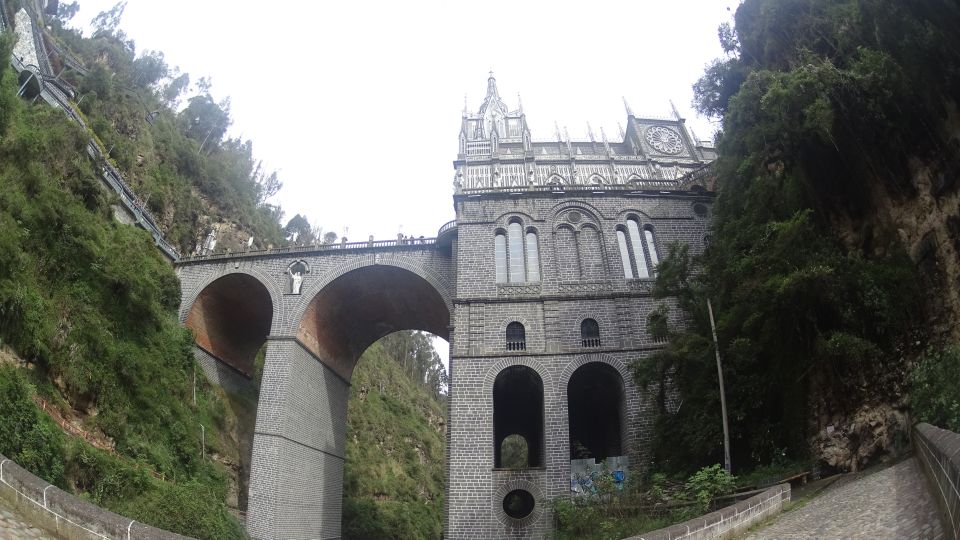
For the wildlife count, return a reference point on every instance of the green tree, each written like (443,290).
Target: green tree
(824,104)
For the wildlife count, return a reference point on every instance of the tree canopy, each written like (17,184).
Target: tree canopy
(824,105)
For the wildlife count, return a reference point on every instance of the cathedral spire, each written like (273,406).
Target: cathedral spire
(627,105)
(492,87)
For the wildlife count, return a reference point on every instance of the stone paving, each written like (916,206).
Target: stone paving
(893,503)
(12,526)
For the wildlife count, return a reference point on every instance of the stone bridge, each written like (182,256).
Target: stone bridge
(316,309)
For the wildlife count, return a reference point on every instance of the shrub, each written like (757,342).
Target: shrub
(709,482)
(935,394)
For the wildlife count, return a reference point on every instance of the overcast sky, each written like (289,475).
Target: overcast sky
(358,104)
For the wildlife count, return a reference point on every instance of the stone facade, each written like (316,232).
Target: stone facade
(574,196)
(560,237)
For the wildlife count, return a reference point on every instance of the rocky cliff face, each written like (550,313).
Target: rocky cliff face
(871,418)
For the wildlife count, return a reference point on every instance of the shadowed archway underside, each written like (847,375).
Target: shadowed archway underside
(360,307)
(231,319)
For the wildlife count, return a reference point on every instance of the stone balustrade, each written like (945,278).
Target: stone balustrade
(67,516)
(727,522)
(938,451)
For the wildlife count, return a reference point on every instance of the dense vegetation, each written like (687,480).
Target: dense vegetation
(90,307)
(394,474)
(827,108)
(168,138)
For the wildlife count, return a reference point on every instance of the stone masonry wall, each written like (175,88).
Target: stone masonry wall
(297,471)
(296,474)
(551,311)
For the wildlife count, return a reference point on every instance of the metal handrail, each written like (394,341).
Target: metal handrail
(111,175)
(318,248)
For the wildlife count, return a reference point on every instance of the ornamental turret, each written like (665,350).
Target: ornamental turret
(497,153)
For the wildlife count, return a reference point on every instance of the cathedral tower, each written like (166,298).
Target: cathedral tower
(557,244)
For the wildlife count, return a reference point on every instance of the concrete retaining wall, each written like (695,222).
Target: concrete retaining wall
(64,515)
(938,451)
(726,522)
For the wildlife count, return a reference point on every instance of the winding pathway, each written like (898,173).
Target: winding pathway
(893,503)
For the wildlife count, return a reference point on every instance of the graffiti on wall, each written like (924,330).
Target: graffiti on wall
(590,477)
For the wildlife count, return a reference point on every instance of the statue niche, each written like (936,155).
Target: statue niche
(295,273)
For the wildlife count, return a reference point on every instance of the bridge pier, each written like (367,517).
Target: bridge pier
(296,477)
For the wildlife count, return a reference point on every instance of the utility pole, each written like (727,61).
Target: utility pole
(723,396)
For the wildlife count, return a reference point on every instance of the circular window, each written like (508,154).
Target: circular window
(518,504)
(574,217)
(664,139)
(700,209)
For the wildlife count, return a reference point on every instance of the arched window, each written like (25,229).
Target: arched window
(533,257)
(518,410)
(514,452)
(516,337)
(624,254)
(500,250)
(640,261)
(595,405)
(516,254)
(651,246)
(590,333)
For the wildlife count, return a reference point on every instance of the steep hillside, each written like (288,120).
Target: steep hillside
(167,137)
(835,236)
(91,338)
(394,477)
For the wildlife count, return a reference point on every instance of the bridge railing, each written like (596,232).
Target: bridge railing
(938,451)
(314,248)
(452,224)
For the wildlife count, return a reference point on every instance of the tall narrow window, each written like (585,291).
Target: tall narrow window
(515,244)
(651,247)
(634,228)
(590,333)
(500,248)
(624,254)
(516,337)
(533,257)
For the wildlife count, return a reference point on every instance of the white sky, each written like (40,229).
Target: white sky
(358,104)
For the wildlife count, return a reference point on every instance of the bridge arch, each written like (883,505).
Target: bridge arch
(296,477)
(355,306)
(231,316)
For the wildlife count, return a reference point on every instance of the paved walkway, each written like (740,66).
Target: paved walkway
(12,526)
(893,503)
